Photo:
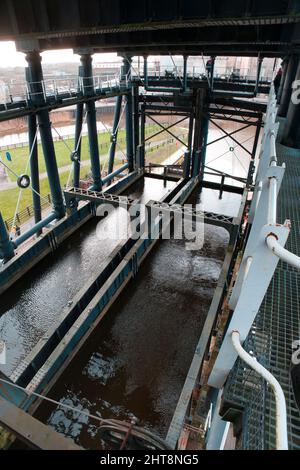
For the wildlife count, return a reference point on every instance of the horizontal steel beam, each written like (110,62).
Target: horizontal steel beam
(160,176)
(225,187)
(209,218)
(97,197)
(23,108)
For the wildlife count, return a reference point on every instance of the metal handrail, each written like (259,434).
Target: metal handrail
(281,415)
(271,238)
(244,300)
(53,86)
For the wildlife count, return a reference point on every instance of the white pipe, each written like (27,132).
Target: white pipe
(247,267)
(281,252)
(281,418)
(272,205)
(224,438)
(207,424)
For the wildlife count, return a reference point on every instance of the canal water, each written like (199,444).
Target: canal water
(135,362)
(29,308)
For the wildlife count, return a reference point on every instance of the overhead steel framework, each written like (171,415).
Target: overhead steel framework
(150,26)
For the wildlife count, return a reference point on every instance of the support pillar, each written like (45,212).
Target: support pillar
(76,154)
(34,169)
(37,96)
(211,78)
(88,91)
(188,153)
(185,59)
(259,64)
(291,133)
(186,164)
(287,87)
(251,169)
(6,246)
(283,77)
(142,145)
(205,127)
(136,120)
(114,135)
(197,164)
(126,74)
(145,71)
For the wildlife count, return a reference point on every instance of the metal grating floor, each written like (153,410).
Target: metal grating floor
(275,328)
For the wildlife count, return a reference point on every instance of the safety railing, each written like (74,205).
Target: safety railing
(26,214)
(222,72)
(67,86)
(281,416)
(15,92)
(264,248)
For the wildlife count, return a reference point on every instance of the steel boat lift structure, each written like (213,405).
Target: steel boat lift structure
(141,29)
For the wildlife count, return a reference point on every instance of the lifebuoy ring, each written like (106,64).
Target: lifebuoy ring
(23,181)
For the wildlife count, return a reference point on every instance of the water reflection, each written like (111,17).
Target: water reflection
(29,308)
(135,362)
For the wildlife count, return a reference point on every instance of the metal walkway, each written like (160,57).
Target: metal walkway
(276,327)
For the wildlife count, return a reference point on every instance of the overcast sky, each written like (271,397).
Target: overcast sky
(9,57)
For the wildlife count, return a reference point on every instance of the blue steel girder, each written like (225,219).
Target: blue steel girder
(97,197)
(61,100)
(191,213)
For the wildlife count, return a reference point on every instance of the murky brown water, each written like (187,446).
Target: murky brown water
(30,307)
(135,362)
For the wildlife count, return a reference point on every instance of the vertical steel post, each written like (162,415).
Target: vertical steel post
(291,133)
(76,154)
(259,64)
(142,146)
(186,164)
(221,186)
(287,87)
(205,126)
(136,119)
(37,96)
(114,135)
(126,75)
(198,133)
(190,134)
(188,153)
(185,58)
(6,246)
(34,169)
(211,79)
(145,71)
(283,76)
(251,169)
(88,91)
